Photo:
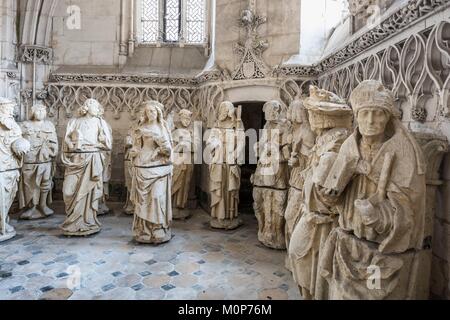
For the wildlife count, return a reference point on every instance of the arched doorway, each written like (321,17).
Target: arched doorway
(253,118)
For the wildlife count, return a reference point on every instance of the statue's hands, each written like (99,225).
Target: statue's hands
(293,161)
(20,147)
(133,153)
(367,211)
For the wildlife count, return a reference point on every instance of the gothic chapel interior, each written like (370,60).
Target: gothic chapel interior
(348,100)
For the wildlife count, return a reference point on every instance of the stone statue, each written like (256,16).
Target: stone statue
(271,178)
(151,156)
(183,145)
(107,168)
(226,144)
(12,149)
(87,138)
(331,120)
(379,179)
(128,168)
(301,140)
(36,183)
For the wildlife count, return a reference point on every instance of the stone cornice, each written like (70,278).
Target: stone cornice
(405,16)
(410,13)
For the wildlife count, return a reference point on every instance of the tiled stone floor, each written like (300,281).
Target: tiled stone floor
(198,263)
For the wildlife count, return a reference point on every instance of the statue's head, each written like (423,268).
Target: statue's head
(272,110)
(226,110)
(297,111)
(7,107)
(152,111)
(39,112)
(91,107)
(327,111)
(373,105)
(185,117)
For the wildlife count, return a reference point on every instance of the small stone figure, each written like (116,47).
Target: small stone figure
(183,145)
(376,252)
(151,156)
(107,170)
(128,169)
(272,177)
(301,140)
(87,137)
(226,143)
(38,168)
(331,120)
(12,149)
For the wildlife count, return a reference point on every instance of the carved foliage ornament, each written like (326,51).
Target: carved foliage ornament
(40,55)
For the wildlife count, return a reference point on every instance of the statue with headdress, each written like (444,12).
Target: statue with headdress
(183,170)
(151,157)
(331,120)
(301,141)
(86,140)
(378,180)
(36,183)
(12,150)
(271,179)
(226,147)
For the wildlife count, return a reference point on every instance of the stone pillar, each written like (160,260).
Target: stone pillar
(434,147)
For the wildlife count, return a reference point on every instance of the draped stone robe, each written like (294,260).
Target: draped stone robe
(317,215)
(82,155)
(390,247)
(225,177)
(184,167)
(151,184)
(39,166)
(10,166)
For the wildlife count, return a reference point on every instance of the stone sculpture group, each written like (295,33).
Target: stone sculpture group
(341,187)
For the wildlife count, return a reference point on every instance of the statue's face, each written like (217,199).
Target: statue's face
(372,121)
(94,109)
(223,113)
(272,113)
(151,114)
(185,120)
(40,114)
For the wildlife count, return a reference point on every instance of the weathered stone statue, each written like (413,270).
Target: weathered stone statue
(226,143)
(151,156)
(331,120)
(183,145)
(379,177)
(107,167)
(301,140)
(271,179)
(12,149)
(36,184)
(87,137)
(128,168)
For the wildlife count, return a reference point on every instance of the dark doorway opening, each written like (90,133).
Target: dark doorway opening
(253,118)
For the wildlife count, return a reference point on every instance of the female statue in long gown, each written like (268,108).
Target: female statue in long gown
(376,252)
(301,140)
(226,143)
(38,168)
(87,137)
(12,149)
(331,119)
(183,140)
(271,178)
(151,156)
